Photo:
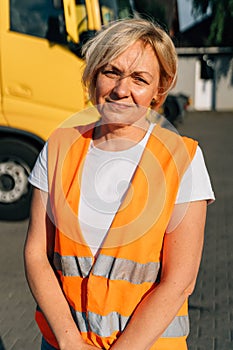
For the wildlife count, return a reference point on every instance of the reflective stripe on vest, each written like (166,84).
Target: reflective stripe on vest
(128,270)
(108,267)
(104,326)
(72,265)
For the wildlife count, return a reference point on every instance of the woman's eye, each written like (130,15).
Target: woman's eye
(140,80)
(110,73)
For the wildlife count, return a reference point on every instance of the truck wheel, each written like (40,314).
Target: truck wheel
(16,161)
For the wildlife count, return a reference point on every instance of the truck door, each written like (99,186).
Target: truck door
(41,76)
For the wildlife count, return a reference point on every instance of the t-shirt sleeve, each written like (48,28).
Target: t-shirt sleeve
(39,174)
(195,184)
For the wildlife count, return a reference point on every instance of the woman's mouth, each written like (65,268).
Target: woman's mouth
(119,106)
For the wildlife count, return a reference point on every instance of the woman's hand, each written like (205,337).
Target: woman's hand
(87,347)
(80,345)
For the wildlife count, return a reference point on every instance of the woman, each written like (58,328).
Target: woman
(118,213)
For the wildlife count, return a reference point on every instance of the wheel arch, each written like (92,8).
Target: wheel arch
(18,148)
(28,137)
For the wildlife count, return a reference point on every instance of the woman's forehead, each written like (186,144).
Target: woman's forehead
(137,57)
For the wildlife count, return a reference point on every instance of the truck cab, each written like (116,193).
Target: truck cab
(40,81)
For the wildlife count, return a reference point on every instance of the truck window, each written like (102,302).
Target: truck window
(38,18)
(115,9)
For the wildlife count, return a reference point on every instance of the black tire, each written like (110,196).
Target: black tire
(17,158)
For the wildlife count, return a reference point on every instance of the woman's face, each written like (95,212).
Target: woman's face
(126,86)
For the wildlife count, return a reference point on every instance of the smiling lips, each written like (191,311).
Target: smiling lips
(119,105)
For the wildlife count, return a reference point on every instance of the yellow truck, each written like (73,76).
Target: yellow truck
(40,81)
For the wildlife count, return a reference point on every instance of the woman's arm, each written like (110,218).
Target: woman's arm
(182,252)
(41,277)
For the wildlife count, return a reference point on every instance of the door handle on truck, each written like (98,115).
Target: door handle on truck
(19,91)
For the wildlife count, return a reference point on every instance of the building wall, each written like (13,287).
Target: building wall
(224,83)
(186,75)
(206,94)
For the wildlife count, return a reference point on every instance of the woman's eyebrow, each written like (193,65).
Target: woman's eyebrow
(109,65)
(140,72)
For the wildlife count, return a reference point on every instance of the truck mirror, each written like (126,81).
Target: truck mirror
(81,17)
(71,19)
(57,4)
(54,33)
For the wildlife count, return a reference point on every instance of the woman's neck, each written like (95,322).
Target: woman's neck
(115,137)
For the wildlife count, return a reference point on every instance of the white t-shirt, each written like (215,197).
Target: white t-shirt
(105,179)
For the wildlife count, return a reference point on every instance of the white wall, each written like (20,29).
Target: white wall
(224,99)
(200,90)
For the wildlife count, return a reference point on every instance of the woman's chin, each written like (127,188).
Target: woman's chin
(122,115)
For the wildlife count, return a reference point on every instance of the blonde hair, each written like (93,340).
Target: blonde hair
(113,40)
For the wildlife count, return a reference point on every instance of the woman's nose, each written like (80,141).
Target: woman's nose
(122,87)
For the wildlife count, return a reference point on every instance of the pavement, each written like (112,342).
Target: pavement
(211,305)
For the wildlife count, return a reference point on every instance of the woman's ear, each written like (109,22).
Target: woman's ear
(157,102)
(153,102)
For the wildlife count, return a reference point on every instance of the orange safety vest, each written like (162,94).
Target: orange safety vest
(103,291)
